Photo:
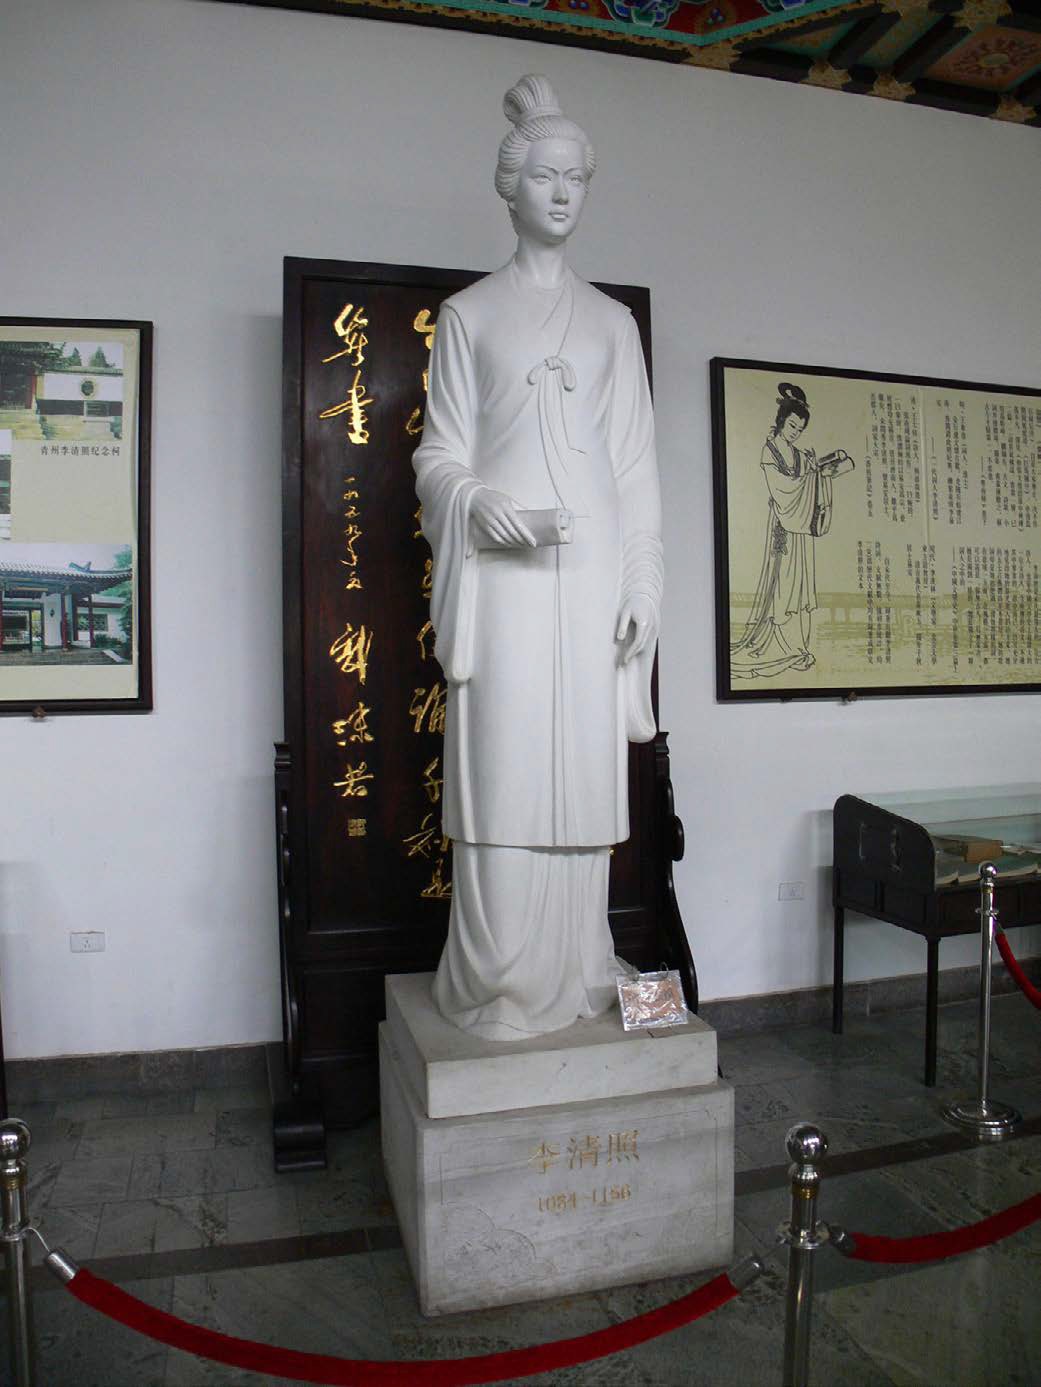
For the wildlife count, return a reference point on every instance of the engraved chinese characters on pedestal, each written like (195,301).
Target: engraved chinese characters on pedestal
(589,1153)
(538,402)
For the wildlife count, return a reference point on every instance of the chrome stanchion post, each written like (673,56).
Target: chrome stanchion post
(986,1119)
(803,1235)
(14,1209)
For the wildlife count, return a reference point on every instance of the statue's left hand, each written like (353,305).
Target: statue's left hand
(637,625)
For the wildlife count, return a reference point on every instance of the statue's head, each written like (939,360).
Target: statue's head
(545,163)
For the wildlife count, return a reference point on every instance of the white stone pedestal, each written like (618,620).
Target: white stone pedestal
(586,1158)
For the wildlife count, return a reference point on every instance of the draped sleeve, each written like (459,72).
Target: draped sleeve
(796,500)
(633,458)
(445,484)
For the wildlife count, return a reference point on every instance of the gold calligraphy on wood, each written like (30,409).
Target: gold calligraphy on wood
(432,783)
(424,634)
(438,889)
(421,324)
(422,842)
(352,334)
(353,785)
(353,405)
(428,707)
(354,727)
(350,651)
(349,325)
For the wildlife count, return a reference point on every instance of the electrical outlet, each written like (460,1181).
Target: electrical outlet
(791,890)
(87,941)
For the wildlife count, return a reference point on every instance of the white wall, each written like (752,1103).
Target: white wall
(769,222)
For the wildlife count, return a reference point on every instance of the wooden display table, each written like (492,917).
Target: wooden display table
(889,864)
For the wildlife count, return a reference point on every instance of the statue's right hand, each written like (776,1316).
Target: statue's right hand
(494,516)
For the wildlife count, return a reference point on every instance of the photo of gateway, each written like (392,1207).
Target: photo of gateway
(5,483)
(61,389)
(55,609)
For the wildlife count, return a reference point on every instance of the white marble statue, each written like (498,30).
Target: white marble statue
(538,401)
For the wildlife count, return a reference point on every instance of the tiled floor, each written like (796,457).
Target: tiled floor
(173,1196)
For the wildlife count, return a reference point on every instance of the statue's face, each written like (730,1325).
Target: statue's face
(550,190)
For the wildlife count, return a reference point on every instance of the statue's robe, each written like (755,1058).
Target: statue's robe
(541,394)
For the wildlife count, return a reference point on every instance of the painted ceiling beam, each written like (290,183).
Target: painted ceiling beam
(861,38)
(944,35)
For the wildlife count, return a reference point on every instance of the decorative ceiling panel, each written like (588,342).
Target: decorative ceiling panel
(981,57)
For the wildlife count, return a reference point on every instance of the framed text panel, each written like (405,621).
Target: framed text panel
(875,534)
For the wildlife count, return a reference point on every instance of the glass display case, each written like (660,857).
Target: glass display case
(913,858)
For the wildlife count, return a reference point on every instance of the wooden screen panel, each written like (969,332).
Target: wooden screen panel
(364,874)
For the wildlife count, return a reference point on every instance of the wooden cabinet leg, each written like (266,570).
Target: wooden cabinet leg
(838,981)
(932,989)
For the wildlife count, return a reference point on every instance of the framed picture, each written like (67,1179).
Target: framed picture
(875,534)
(75,412)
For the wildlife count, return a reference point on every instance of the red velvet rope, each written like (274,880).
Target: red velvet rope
(933,1246)
(1027,988)
(344,1372)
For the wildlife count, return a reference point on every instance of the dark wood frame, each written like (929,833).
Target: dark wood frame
(726,691)
(142,701)
(885,867)
(342,964)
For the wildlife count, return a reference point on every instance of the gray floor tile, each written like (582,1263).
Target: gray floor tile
(74,1230)
(231,1098)
(195,1220)
(330,1306)
(54,1139)
(32,1112)
(139,1103)
(218,1171)
(77,1347)
(131,1136)
(91,1181)
(162,1225)
(969,1322)
(245,1127)
(763,1102)
(759,1058)
(867,1096)
(127,1228)
(331,1203)
(412,1336)
(866,1203)
(740,1345)
(162,1104)
(190,1169)
(83,1108)
(265,1213)
(43,1176)
(970,1185)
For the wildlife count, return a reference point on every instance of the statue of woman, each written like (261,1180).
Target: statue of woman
(538,402)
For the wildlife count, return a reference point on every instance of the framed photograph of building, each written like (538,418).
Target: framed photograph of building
(875,534)
(75,414)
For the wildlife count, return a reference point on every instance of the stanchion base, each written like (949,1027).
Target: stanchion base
(989,1121)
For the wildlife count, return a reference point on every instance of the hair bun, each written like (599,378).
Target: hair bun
(787,391)
(530,98)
